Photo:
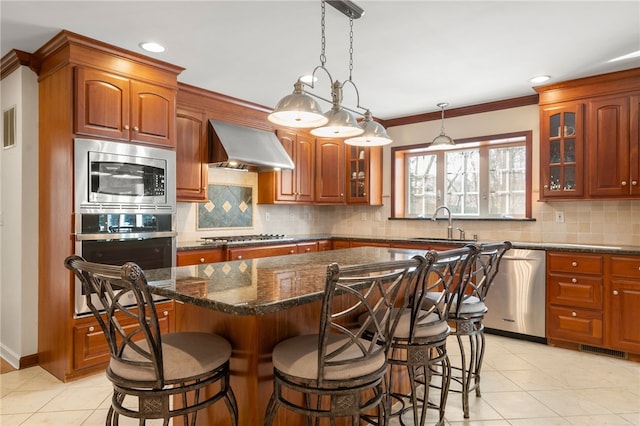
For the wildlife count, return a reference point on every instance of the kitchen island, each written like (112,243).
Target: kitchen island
(255,304)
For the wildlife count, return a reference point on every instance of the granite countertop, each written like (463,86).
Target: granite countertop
(568,247)
(264,285)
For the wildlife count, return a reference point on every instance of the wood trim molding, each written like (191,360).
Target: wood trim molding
(29,361)
(468,110)
(12,61)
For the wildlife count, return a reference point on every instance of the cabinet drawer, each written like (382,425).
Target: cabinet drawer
(575,290)
(576,325)
(308,247)
(575,263)
(625,266)
(195,257)
(90,347)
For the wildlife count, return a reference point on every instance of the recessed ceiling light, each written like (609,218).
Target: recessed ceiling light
(540,79)
(627,56)
(150,46)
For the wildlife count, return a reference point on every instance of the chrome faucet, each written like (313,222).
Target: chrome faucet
(450,227)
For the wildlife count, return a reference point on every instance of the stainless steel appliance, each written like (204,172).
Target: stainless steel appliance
(243,239)
(120,177)
(115,238)
(516,299)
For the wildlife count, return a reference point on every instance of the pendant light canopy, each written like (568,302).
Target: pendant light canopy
(442,138)
(300,110)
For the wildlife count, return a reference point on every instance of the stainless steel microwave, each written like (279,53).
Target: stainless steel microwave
(122,177)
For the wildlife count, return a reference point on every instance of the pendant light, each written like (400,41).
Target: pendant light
(301,110)
(374,133)
(442,139)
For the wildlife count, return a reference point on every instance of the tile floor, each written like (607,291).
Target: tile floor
(523,384)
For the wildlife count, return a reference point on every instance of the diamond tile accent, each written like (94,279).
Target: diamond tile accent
(228,207)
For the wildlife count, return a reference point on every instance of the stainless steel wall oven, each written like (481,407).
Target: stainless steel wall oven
(125,207)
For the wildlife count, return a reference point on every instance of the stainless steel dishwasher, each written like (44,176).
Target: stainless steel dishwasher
(516,299)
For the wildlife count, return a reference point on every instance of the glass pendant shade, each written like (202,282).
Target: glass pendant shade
(374,133)
(298,110)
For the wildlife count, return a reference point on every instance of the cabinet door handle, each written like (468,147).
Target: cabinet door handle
(573,280)
(624,183)
(634,182)
(239,257)
(574,314)
(126,127)
(202,260)
(135,128)
(615,292)
(292,251)
(165,313)
(91,329)
(307,249)
(546,186)
(574,264)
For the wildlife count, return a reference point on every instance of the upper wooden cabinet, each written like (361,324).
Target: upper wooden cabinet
(561,151)
(291,186)
(364,175)
(113,106)
(614,162)
(600,159)
(191,154)
(330,171)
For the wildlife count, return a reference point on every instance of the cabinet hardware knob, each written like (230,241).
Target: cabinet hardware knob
(573,280)
(364,194)
(126,127)
(574,264)
(615,292)
(546,186)
(634,182)
(292,251)
(239,257)
(135,128)
(307,249)
(165,313)
(342,194)
(91,329)
(624,183)
(573,314)
(202,260)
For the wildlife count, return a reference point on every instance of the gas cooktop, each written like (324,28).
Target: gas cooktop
(242,239)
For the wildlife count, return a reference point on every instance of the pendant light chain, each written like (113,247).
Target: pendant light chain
(350,47)
(323,39)
(442,121)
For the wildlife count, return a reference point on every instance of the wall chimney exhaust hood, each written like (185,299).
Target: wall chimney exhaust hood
(246,148)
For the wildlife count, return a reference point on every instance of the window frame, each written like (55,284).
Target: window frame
(398,173)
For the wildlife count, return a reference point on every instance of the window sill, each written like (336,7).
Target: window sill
(487,219)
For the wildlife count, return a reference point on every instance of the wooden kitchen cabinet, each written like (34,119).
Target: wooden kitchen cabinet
(561,151)
(623,308)
(118,107)
(191,154)
(614,166)
(575,297)
(291,186)
(601,160)
(307,247)
(90,350)
(200,256)
(330,171)
(364,175)
(243,253)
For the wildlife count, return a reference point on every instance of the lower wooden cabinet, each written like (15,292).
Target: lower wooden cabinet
(576,325)
(90,348)
(196,257)
(623,308)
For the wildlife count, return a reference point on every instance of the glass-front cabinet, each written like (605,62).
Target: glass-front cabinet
(364,179)
(561,151)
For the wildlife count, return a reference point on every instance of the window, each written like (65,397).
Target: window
(487,177)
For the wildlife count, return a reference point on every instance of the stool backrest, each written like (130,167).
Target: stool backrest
(358,306)
(136,345)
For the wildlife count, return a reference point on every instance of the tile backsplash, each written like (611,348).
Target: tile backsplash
(588,222)
(229,206)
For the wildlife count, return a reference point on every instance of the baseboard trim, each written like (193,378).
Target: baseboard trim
(29,361)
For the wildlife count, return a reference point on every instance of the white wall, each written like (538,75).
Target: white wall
(19,221)
(591,222)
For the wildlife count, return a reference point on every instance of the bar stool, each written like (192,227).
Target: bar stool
(466,315)
(147,369)
(418,345)
(338,372)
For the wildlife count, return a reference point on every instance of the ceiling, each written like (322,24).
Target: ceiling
(408,56)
